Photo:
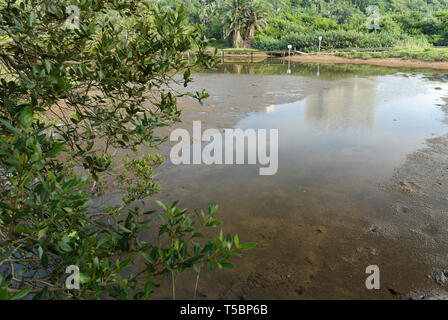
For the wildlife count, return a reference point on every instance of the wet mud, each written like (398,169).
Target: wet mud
(352,196)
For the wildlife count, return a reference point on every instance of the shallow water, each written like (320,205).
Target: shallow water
(313,219)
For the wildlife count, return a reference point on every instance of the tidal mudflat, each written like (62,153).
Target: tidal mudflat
(362,180)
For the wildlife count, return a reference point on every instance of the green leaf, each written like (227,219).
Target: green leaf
(213,209)
(55,151)
(163,229)
(64,246)
(83,278)
(124,228)
(123,264)
(248,246)
(47,65)
(195,259)
(161,204)
(147,257)
(229,241)
(148,288)
(227,265)
(184,251)
(236,241)
(10,127)
(44,260)
(26,116)
(21,294)
(42,234)
(4,294)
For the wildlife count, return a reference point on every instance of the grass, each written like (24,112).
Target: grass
(424,54)
(413,48)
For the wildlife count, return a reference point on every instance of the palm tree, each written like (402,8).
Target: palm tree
(256,18)
(235,20)
(207,12)
(242,18)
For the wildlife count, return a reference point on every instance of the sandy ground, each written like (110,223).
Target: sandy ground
(387,62)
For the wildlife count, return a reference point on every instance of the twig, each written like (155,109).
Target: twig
(174,285)
(197,282)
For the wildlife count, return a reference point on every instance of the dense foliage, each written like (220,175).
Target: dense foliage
(334,39)
(342,23)
(71,97)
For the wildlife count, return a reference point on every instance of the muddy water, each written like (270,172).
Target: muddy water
(323,218)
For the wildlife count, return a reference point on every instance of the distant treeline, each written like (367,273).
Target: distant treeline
(273,24)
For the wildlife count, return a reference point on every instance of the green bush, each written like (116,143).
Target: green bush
(46,226)
(107,87)
(339,39)
(298,23)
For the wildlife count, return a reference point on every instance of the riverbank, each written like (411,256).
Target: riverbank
(386,62)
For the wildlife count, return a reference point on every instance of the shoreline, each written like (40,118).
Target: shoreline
(386,62)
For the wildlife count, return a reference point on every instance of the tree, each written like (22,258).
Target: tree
(256,18)
(235,20)
(81,80)
(208,12)
(242,17)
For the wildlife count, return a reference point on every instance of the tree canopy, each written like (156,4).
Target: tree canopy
(240,21)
